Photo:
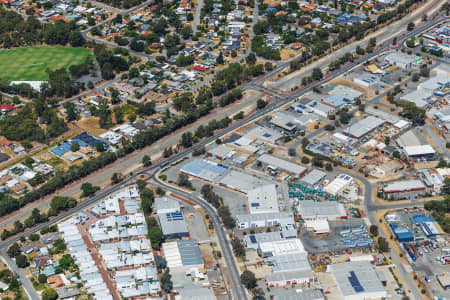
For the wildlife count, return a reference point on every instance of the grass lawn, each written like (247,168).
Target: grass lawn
(30,63)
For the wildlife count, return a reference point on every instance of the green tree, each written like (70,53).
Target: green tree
(21,261)
(373,230)
(414,113)
(305,160)
(49,294)
(383,244)
(317,74)
(60,203)
(183,180)
(186,32)
(75,147)
(13,250)
(147,198)
(71,113)
(116,178)
(88,189)
(411,43)
(146,161)
(238,247)
(166,281)
(251,59)
(186,139)
(66,262)
(219,59)
(160,262)
(410,26)
(100,147)
(42,278)
(260,104)
(156,236)
(248,279)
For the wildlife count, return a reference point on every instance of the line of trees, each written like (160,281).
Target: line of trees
(58,204)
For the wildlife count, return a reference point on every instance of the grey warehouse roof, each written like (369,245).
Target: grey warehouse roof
(172,223)
(287,275)
(313,177)
(197,294)
(281,164)
(356,277)
(310,208)
(389,117)
(346,92)
(220,151)
(203,169)
(305,295)
(364,126)
(190,253)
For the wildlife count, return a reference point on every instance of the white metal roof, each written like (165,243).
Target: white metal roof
(263,199)
(338,184)
(419,150)
(403,186)
(288,246)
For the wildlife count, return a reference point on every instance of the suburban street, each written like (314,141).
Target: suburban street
(198,13)
(133,162)
(239,290)
(382,35)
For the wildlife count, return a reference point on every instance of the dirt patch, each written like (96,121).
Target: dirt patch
(385,101)
(342,81)
(52,160)
(288,54)
(310,126)
(386,109)
(207,255)
(91,125)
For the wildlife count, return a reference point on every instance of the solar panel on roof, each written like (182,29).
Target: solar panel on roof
(267,135)
(355,282)
(175,216)
(252,239)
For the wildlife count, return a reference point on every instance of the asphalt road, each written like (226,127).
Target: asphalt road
(383,35)
(282,99)
(28,287)
(198,13)
(239,290)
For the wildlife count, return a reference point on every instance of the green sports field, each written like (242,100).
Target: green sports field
(30,63)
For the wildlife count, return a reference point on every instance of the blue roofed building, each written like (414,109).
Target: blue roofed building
(182,255)
(204,169)
(427,224)
(402,234)
(64,148)
(90,140)
(417,219)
